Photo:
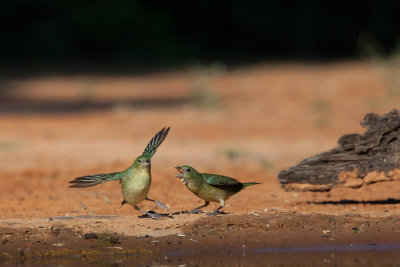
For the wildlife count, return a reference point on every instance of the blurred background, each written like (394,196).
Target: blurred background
(247,88)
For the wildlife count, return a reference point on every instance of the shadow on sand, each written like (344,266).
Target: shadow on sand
(353,202)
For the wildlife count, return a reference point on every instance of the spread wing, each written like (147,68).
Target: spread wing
(155,142)
(91,180)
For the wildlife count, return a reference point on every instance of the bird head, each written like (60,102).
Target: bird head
(142,162)
(186,172)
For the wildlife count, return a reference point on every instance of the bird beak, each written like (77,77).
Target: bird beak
(180,170)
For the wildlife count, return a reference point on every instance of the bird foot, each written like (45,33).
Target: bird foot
(161,205)
(151,214)
(154,215)
(216,212)
(196,211)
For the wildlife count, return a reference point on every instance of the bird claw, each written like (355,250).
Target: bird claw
(161,205)
(151,214)
(154,216)
(196,211)
(216,212)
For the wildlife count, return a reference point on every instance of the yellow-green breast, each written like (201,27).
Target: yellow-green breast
(136,186)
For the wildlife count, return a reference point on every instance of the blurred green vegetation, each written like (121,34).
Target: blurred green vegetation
(171,33)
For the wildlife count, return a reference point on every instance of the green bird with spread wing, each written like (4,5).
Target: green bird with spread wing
(135,180)
(210,187)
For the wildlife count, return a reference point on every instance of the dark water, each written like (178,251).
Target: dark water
(349,255)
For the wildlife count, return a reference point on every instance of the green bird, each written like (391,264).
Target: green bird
(210,187)
(135,180)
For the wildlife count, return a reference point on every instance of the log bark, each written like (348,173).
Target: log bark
(357,160)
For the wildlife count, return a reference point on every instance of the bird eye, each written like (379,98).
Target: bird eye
(188,170)
(140,161)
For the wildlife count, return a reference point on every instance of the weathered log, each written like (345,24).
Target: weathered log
(358,160)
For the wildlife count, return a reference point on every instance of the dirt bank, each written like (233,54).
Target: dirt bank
(91,237)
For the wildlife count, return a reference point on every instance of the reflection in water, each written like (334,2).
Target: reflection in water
(358,255)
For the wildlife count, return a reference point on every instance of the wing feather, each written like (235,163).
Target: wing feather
(155,142)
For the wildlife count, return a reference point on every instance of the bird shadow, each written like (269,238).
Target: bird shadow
(156,215)
(182,212)
(26,105)
(353,202)
(190,212)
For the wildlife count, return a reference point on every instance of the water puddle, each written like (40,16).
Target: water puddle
(351,247)
(344,255)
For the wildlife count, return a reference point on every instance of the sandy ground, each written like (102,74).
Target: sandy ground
(246,123)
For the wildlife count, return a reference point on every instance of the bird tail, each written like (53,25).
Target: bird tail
(155,142)
(92,180)
(249,184)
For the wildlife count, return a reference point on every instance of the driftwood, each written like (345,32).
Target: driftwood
(358,160)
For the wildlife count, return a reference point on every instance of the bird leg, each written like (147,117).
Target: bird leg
(150,214)
(215,212)
(197,210)
(158,204)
